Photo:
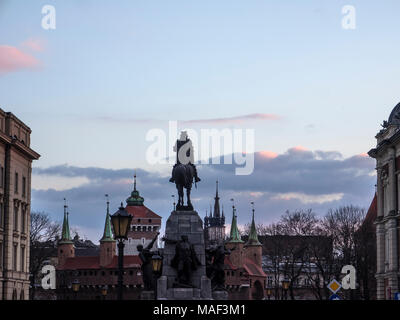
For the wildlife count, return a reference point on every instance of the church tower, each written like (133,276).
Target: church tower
(215,223)
(235,242)
(107,242)
(253,247)
(65,246)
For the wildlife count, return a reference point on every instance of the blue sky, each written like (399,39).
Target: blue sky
(111,71)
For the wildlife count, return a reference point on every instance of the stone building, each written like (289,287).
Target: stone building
(145,223)
(16,158)
(94,272)
(214,224)
(101,267)
(387,155)
(245,278)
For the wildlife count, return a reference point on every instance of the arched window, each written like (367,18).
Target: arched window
(15,296)
(22,295)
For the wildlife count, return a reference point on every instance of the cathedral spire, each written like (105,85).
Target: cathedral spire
(253,238)
(216,203)
(234,235)
(107,234)
(66,235)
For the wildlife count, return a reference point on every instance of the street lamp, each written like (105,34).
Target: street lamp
(75,287)
(156,262)
(285,286)
(104,291)
(121,221)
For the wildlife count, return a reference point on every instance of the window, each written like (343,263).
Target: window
(269,281)
(15,257)
(16,183)
(22,259)
(15,218)
(23,219)
(1,215)
(1,176)
(23,187)
(1,255)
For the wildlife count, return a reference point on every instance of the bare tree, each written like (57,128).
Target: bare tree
(297,226)
(341,225)
(43,236)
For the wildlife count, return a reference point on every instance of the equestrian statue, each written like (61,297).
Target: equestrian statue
(184,172)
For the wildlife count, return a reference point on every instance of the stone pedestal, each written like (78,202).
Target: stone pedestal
(220,295)
(147,295)
(184,223)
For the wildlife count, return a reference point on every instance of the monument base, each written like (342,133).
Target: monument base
(164,293)
(184,223)
(147,295)
(220,295)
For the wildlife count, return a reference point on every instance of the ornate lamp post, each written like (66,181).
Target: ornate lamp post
(285,286)
(75,287)
(156,262)
(121,221)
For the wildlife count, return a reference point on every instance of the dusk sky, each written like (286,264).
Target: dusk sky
(92,88)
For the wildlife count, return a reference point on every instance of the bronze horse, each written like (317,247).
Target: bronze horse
(183,175)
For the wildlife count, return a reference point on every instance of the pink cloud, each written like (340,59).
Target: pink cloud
(299,148)
(33,44)
(268,154)
(238,119)
(13,59)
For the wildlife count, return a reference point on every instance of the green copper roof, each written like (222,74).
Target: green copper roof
(65,236)
(107,235)
(135,199)
(253,238)
(235,235)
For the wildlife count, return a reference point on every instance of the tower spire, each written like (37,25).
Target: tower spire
(135,199)
(253,238)
(234,234)
(216,203)
(66,235)
(107,234)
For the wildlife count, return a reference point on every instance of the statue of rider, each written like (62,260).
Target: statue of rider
(184,155)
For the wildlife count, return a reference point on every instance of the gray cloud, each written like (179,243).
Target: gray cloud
(277,184)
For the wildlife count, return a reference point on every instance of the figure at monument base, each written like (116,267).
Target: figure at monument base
(184,271)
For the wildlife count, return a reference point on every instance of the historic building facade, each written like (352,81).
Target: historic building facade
(214,224)
(145,223)
(97,271)
(16,158)
(387,155)
(245,278)
(94,273)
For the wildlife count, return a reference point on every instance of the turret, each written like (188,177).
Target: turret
(135,199)
(107,242)
(65,246)
(253,247)
(235,242)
